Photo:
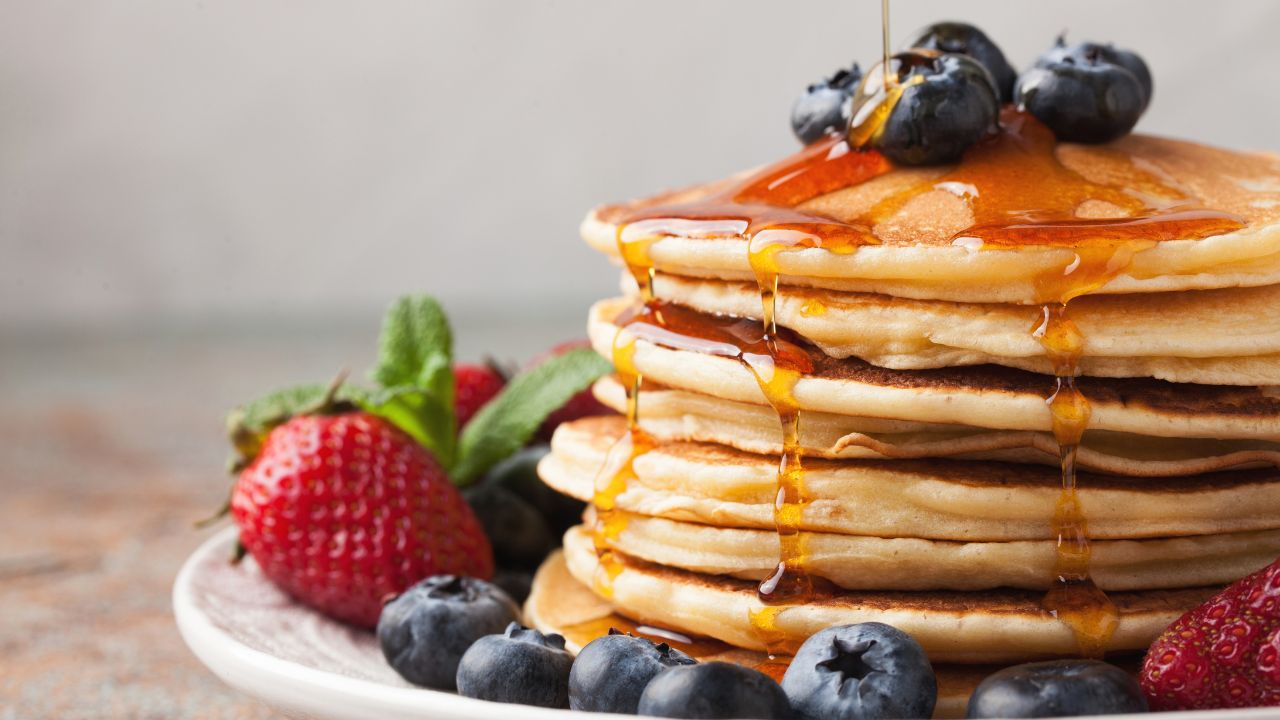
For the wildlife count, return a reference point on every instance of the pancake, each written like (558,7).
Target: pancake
(560,604)
(994,626)
(1217,337)
(675,415)
(916,258)
(940,499)
(987,396)
(859,562)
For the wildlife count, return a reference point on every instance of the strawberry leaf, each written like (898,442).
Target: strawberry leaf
(415,356)
(506,423)
(248,425)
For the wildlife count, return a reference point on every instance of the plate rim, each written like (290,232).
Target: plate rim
(230,660)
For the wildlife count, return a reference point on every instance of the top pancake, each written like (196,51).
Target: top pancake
(915,257)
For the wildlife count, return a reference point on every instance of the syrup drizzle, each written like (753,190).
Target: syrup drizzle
(618,469)
(1019,194)
(1073,597)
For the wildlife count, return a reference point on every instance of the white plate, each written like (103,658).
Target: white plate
(308,667)
(298,662)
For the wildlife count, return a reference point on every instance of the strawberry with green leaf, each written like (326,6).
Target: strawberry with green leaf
(347,494)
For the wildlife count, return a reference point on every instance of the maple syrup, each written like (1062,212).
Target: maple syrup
(618,469)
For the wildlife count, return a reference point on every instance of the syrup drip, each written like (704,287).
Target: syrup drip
(777,362)
(618,469)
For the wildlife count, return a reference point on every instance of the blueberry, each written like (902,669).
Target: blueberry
(1081,94)
(425,631)
(519,474)
(714,690)
(861,672)
(518,534)
(520,666)
(824,106)
(964,39)
(611,672)
(951,105)
(1059,688)
(1081,52)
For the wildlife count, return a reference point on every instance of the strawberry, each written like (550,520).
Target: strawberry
(474,385)
(1225,653)
(583,404)
(342,510)
(345,494)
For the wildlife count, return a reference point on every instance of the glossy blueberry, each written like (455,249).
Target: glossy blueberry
(612,671)
(520,666)
(824,106)
(714,690)
(941,114)
(964,39)
(518,533)
(861,672)
(1060,688)
(1082,96)
(519,474)
(1080,53)
(425,631)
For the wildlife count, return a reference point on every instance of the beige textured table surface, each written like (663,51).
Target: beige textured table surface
(110,447)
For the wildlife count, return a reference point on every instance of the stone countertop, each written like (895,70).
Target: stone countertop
(111,448)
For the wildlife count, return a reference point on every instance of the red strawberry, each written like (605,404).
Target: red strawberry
(584,404)
(474,385)
(342,510)
(1223,654)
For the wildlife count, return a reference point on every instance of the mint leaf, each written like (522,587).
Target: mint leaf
(416,346)
(506,423)
(424,416)
(415,357)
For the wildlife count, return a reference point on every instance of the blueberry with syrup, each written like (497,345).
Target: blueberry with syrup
(964,39)
(947,103)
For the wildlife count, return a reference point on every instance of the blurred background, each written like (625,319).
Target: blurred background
(201,200)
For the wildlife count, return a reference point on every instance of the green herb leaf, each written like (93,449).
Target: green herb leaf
(424,416)
(415,368)
(506,423)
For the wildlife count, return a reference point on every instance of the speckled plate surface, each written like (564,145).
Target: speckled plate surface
(305,666)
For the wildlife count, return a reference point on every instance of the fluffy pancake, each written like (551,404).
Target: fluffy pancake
(995,626)
(987,396)
(558,603)
(940,499)
(1218,337)
(859,562)
(674,415)
(916,259)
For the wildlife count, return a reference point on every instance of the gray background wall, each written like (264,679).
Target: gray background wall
(178,163)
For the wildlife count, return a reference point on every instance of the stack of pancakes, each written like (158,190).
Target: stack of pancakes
(931,466)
